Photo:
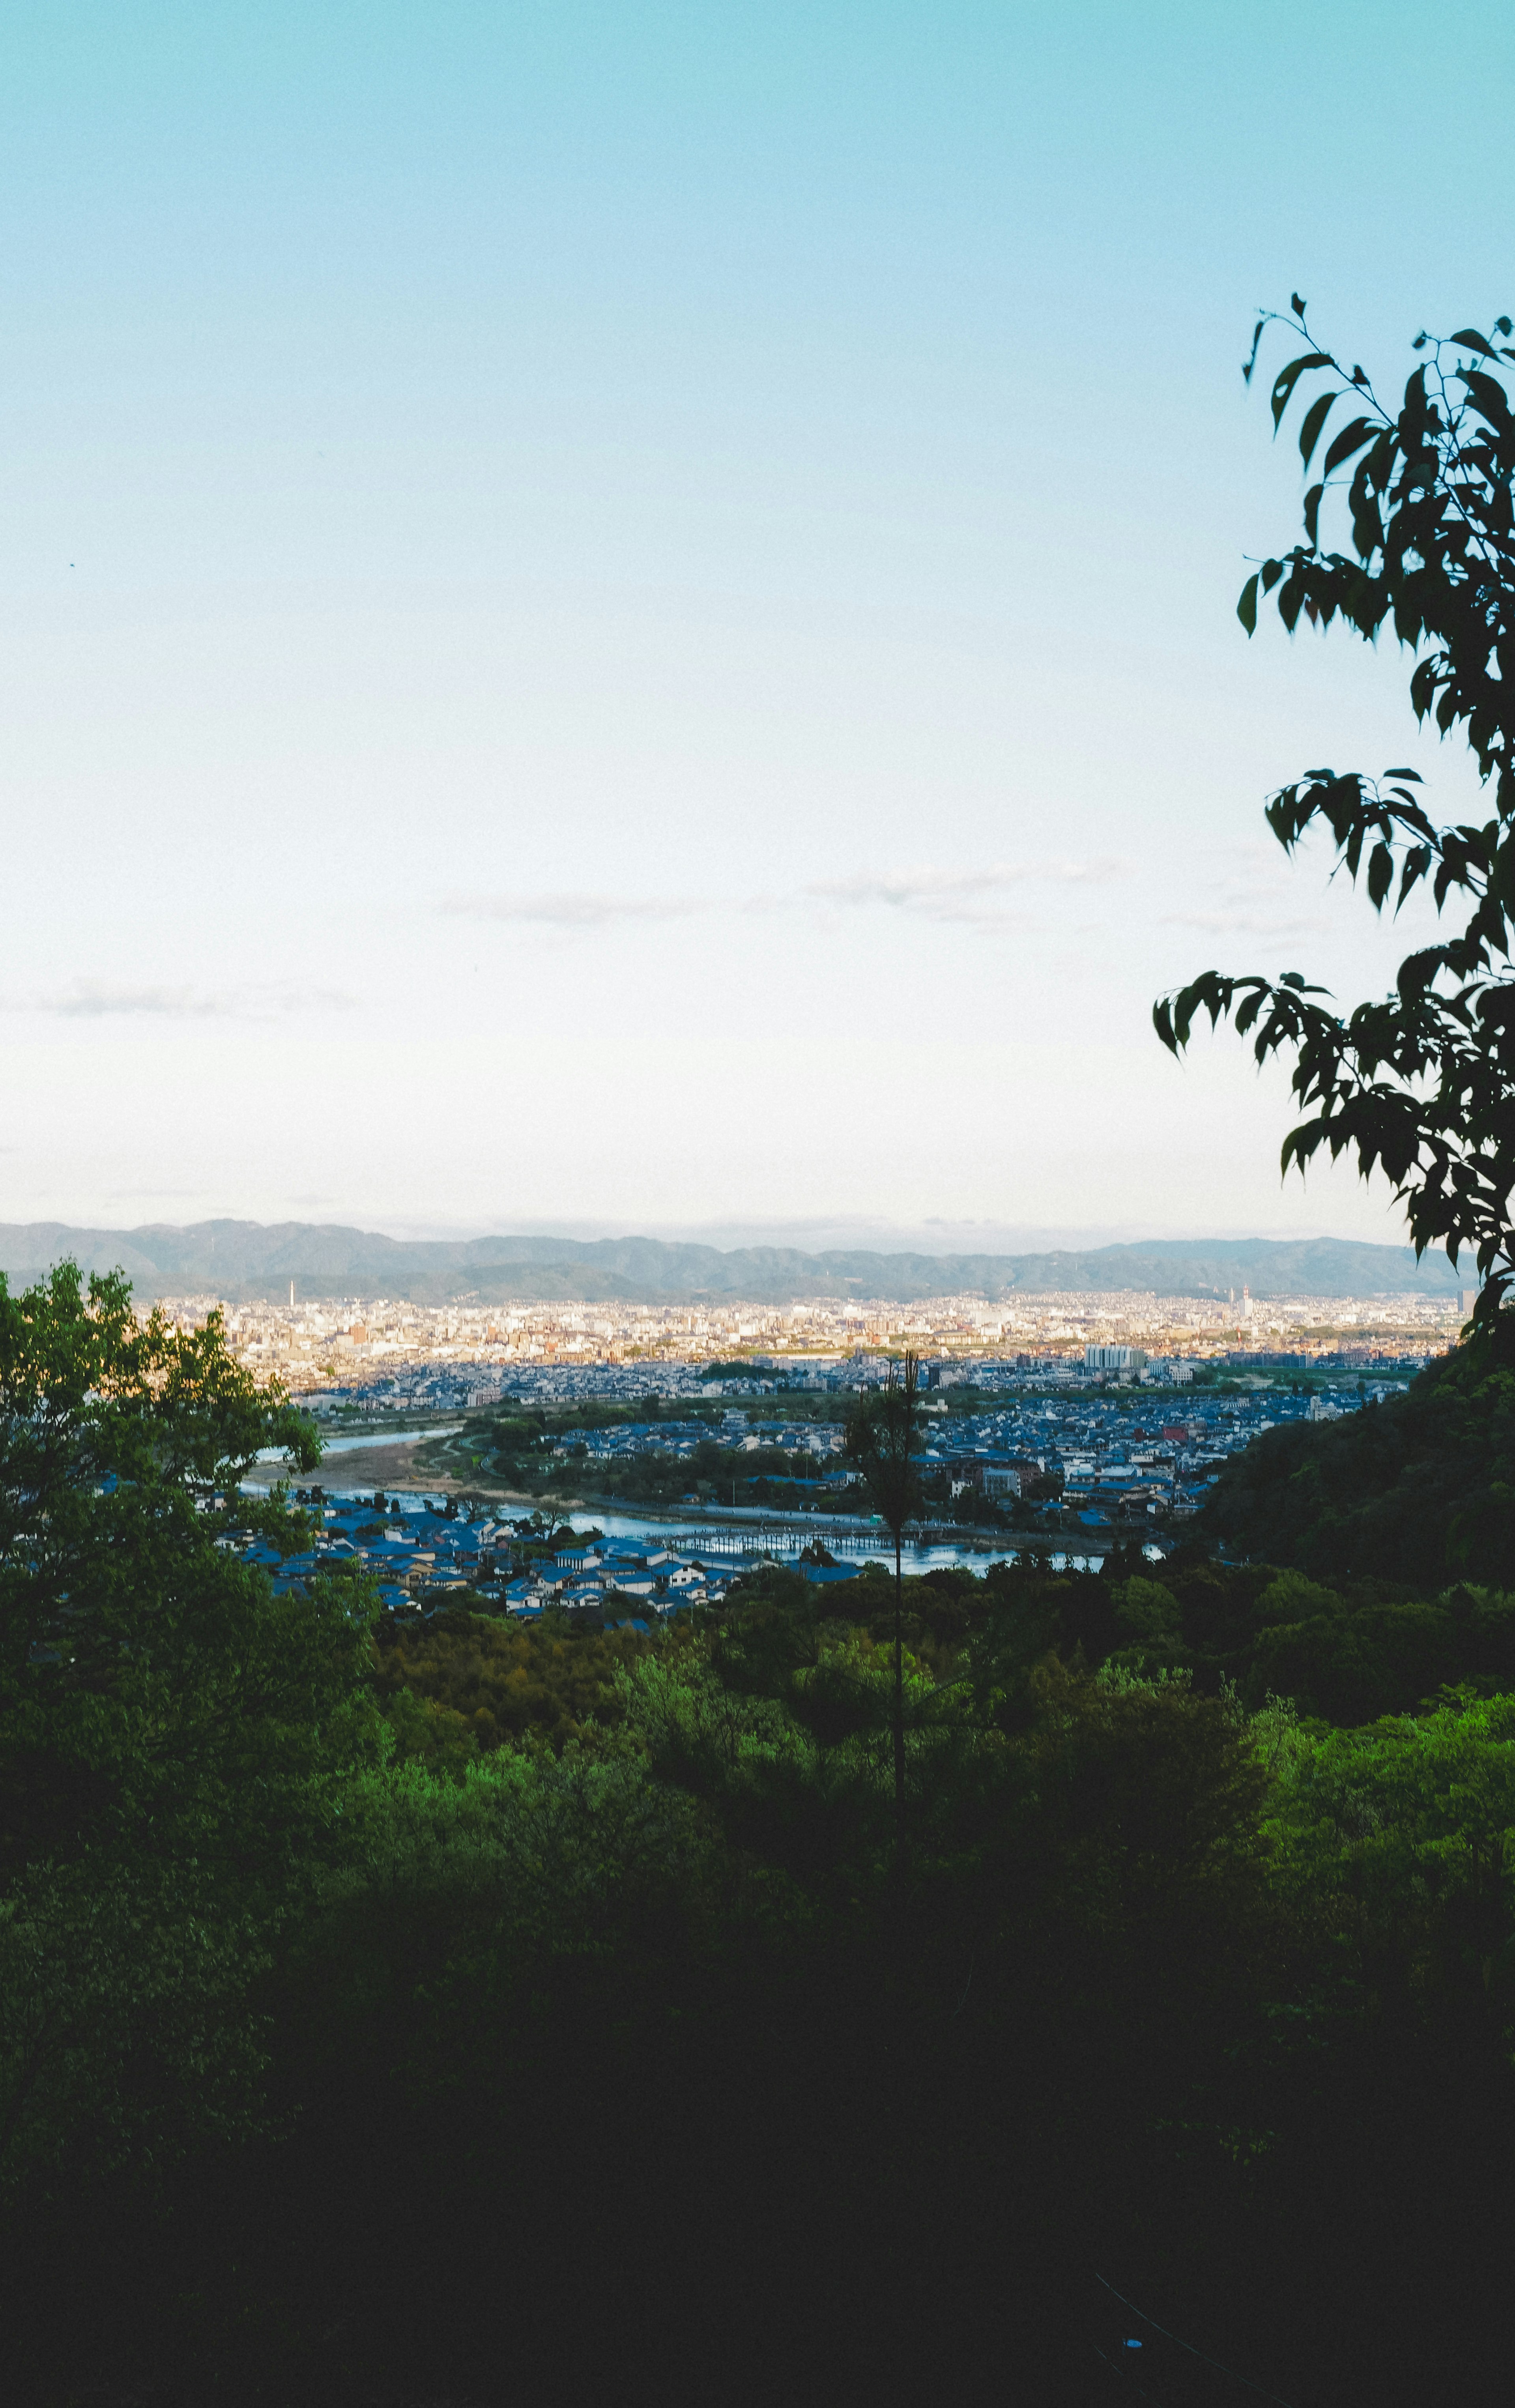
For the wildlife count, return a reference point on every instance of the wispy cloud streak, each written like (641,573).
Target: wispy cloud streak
(962,897)
(101,1000)
(569,910)
(1275,926)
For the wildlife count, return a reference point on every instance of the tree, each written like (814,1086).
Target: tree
(122,1446)
(1399,1836)
(174,1738)
(1421,1084)
(881,1435)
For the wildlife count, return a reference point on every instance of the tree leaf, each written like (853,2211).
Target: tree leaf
(1312,516)
(1291,598)
(1286,380)
(1345,440)
(1315,417)
(1247,613)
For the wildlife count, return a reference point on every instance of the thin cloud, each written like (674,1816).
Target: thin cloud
(1244,924)
(1249,893)
(568,911)
(958,895)
(90,1000)
(99,999)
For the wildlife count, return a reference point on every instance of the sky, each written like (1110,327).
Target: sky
(623,618)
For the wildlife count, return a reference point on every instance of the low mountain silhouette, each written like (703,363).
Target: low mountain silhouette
(247,1260)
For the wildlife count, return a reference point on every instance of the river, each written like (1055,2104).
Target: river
(717,1536)
(716,1540)
(367,1438)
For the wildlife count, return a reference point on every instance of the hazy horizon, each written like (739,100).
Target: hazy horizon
(856,1234)
(823,1234)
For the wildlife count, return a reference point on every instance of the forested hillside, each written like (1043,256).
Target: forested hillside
(1419,1488)
(437,2010)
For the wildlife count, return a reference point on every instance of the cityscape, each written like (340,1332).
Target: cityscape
(368,1354)
(674,1448)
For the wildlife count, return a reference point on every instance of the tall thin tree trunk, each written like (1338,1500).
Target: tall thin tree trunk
(899,1714)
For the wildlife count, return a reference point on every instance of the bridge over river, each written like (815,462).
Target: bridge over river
(744,1540)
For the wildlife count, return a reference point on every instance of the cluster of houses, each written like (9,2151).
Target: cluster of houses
(418,1559)
(618,1580)
(1105,1460)
(1110,1461)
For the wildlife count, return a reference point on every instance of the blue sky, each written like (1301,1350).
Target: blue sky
(625,616)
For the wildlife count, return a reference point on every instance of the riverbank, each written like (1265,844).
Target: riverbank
(384,1464)
(709,1531)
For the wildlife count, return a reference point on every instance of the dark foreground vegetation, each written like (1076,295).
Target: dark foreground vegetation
(471,2013)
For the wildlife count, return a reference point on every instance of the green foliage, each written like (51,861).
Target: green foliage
(1397,1840)
(545,1856)
(477,1923)
(1419,1084)
(1415,1489)
(1346,1651)
(467,1684)
(1150,1612)
(1148,1800)
(1291,1597)
(126,2032)
(175,1740)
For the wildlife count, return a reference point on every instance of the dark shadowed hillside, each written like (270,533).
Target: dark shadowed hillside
(1421,1488)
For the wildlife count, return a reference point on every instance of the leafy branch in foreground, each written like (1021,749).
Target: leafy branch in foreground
(1421,1084)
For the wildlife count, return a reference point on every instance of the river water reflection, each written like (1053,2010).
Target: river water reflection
(721,1541)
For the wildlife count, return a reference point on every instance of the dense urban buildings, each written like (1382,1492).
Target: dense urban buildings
(373,1352)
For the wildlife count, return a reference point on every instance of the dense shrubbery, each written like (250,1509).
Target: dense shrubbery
(1418,1490)
(529,1459)
(465,1683)
(1344,1652)
(389,2015)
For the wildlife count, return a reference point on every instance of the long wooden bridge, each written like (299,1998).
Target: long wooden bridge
(779,1539)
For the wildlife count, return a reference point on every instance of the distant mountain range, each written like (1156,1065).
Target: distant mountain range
(245,1260)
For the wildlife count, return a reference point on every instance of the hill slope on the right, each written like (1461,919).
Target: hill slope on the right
(1420,1489)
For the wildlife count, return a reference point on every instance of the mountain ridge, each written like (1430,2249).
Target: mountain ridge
(244,1261)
